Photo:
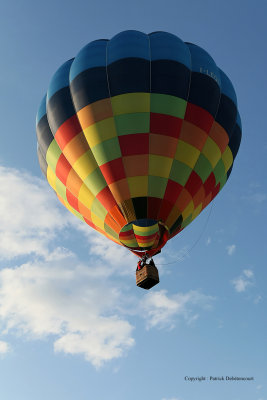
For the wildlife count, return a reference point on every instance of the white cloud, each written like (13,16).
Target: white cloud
(79,310)
(53,294)
(242,282)
(82,310)
(231,249)
(161,310)
(30,214)
(4,347)
(208,241)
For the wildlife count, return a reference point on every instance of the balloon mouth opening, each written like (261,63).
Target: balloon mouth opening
(144,236)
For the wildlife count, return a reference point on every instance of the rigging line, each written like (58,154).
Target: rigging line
(181,258)
(107,71)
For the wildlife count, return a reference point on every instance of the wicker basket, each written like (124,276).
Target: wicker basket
(147,277)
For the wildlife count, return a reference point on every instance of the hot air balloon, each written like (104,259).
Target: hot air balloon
(137,135)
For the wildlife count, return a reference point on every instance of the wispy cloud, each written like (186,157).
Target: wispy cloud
(257,198)
(231,249)
(208,241)
(175,256)
(116,258)
(4,347)
(248,273)
(220,323)
(243,281)
(254,185)
(162,311)
(257,299)
(172,398)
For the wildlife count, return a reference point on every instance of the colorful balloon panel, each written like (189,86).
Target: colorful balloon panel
(137,135)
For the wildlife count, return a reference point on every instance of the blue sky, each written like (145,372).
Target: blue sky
(73,324)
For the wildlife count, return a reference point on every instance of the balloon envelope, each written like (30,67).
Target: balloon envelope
(137,135)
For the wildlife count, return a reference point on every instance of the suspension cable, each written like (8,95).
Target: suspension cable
(181,258)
